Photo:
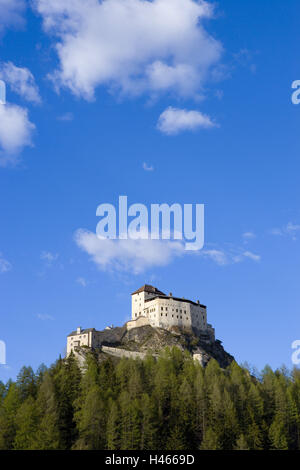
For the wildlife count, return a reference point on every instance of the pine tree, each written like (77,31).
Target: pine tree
(91,423)
(8,411)
(277,435)
(149,424)
(67,382)
(26,425)
(241,443)
(130,422)
(26,383)
(113,427)
(210,440)
(47,436)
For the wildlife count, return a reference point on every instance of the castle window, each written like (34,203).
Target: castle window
(166,308)
(177,311)
(181,317)
(162,308)
(166,314)
(185,311)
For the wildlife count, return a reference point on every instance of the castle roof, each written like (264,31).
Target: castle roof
(150,290)
(82,332)
(175,298)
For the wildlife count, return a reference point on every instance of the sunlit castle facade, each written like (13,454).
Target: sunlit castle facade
(151,306)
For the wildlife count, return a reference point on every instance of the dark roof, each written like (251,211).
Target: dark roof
(149,289)
(87,330)
(175,298)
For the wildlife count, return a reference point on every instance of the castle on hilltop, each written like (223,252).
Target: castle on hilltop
(152,307)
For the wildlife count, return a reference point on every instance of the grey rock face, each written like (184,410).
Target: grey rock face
(153,340)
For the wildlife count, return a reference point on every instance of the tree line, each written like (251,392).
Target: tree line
(169,403)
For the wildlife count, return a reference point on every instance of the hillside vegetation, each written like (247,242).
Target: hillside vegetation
(171,403)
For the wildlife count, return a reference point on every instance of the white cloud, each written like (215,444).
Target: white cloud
(276,231)
(81,281)
(139,255)
(218,256)
(224,257)
(49,257)
(253,256)
(4,264)
(147,167)
(290,230)
(21,81)
(249,235)
(11,13)
(15,133)
(128,255)
(133,46)
(66,117)
(174,120)
(44,317)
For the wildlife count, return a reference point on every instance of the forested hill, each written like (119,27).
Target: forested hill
(171,403)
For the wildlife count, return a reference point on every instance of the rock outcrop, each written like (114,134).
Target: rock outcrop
(147,339)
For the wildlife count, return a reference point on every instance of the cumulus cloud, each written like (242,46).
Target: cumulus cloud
(128,255)
(4,264)
(15,133)
(11,13)
(133,46)
(174,120)
(139,255)
(21,81)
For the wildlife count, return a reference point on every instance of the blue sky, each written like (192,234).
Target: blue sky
(86,89)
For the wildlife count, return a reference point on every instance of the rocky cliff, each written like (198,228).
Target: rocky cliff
(147,339)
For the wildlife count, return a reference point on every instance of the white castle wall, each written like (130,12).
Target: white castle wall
(140,321)
(168,312)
